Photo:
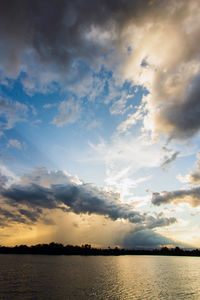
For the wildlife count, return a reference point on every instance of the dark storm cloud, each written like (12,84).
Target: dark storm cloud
(77,198)
(7,218)
(54,29)
(33,195)
(15,214)
(146,239)
(23,216)
(190,196)
(152,222)
(33,216)
(182,118)
(60,31)
(89,199)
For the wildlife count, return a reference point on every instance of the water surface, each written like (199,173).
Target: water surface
(99,277)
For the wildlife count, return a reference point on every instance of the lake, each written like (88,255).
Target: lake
(99,277)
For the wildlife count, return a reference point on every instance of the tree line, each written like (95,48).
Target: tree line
(86,249)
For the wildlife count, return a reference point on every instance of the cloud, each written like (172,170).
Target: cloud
(73,196)
(146,239)
(123,184)
(49,105)
(194,176)
(62,32)
(33,109)
(8,176)
(31,215)
(3,181)
(166,39)
(14,143)
(169,159)
(190,196)
(6,217)
(69,112)
(94,124)
(53,38)
(180,117)
(123,158)
(32,196)
(40,176)
(132,119)
(12,112)
(21,216)
(118,107)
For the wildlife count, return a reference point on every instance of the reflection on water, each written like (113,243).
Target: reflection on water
(80,277)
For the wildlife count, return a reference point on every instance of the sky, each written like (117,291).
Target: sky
(100,122)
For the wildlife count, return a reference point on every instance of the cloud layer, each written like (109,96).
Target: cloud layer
(71,196)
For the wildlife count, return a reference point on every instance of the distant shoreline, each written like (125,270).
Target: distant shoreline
(87,250)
